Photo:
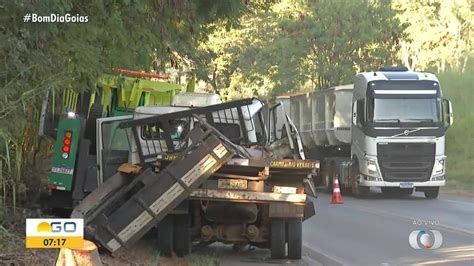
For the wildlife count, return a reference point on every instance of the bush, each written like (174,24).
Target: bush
(457,87)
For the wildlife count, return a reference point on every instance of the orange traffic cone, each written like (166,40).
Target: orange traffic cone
(336,192)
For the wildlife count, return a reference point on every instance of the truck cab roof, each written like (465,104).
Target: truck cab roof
(195,99)
(146,111)
(396,75)
(182,101)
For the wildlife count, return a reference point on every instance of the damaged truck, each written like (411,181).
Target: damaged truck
(219,173)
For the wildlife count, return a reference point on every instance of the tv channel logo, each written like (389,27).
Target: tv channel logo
(425,239)
(54,233)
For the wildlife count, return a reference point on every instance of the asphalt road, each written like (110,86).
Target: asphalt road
(375,231)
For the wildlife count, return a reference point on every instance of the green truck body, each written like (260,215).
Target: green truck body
(74,165)
(62,170)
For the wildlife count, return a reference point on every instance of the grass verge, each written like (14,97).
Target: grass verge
(458,87)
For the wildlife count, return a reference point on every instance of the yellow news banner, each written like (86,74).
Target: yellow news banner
(54,242)
(54,233)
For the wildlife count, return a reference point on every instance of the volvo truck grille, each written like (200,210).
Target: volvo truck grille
(406,162)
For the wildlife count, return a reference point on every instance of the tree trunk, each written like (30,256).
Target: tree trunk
(464,64)
(214,81)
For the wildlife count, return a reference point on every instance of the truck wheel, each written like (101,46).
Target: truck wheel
(358,191)
(295,238)
(431,192)
(278,241)
(328,180)
(182,235)
(165,236)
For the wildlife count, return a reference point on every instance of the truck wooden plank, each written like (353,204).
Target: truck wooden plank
(126,216)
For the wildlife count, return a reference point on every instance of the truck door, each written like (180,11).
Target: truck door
(112,146)
(296,138)
(283,132)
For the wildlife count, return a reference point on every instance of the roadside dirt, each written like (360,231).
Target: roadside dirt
(144,252)
(458,192)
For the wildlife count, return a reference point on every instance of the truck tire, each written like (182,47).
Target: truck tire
(431,192)
(358,191)
(278,239)
(295,238)
(182,235)
(328,179)
(165,236)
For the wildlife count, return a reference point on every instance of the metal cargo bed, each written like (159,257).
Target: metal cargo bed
(118,214)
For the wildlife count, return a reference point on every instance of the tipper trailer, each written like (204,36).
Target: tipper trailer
(202,175)
(386,130)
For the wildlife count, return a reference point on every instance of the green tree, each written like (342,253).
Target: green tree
(438,33)
(37,57)
(300,44)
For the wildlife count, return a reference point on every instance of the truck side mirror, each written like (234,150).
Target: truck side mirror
(358,112)
(354,113)
(448,113)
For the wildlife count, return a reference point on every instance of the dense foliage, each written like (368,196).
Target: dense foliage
(438,34)
(35,57)
(299,44)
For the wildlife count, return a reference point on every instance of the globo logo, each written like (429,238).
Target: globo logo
(56,227)
(425,239)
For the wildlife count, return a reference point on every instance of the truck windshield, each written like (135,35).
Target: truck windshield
(179,129)
(404,110)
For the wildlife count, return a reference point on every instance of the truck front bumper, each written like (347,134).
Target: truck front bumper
(246,196)
(367,183)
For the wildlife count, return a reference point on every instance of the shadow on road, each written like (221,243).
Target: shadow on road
(376,194)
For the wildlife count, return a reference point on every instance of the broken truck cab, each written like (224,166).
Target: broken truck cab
(249,197)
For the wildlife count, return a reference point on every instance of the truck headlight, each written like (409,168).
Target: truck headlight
(439,167)
(371,167)
(71,115)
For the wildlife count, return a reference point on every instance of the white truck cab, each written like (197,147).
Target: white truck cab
(110,156)
(399,120)
(386,130)
(113,147)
